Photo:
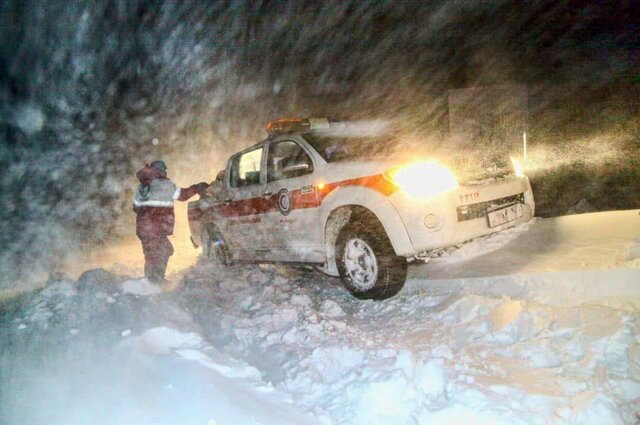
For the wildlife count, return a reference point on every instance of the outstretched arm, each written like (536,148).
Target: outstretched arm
(188,192)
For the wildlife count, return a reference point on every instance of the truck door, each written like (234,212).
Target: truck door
(293,219)
(243,206)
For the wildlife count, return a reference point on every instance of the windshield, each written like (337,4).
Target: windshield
(336,147)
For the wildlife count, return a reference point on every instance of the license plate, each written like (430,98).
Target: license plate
(504,215)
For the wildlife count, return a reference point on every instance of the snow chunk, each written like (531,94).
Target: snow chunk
(224,365)
(58,289)
(333,363)
(301,300)
(390,399)
(467,309)
(518,321)
(331,309)
(457,414)
(163,340)
(590,408)
(430,378)
(140,287)
(505,314)
(40,313)
(278,319)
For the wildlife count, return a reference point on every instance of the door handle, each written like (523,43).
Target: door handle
(267,194)
(226,201)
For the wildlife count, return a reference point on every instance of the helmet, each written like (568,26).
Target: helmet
(159,165)
(220,175)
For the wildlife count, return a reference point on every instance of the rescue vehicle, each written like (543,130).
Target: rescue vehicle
(321,193)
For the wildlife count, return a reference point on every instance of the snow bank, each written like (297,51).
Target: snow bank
(189,345)
(586,242)
(563,261)
(226,390)
(164,340)
(70,357)
(446,355)
(617,288)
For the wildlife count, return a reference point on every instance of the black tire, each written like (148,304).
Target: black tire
(214,248)
(391,268)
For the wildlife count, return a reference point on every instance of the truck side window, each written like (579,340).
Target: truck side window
(245,168)
(287,159)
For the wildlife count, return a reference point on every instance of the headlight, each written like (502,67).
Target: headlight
(423,179)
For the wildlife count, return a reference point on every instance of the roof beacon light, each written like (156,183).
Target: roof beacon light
(289,125)
(318,123)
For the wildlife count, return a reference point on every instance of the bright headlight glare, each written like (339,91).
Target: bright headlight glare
(423,179)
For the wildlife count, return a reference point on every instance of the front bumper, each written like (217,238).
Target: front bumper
(461,215)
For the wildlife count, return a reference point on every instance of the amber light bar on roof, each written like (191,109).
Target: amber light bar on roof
(289,125)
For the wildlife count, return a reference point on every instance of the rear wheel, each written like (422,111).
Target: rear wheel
(367,263)
(214,248)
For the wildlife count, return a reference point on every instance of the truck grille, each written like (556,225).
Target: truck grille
(473,211)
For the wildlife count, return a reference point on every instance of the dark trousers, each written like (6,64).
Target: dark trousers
(157,251)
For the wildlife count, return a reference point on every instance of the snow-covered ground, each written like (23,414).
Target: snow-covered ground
(536,325)
(567,261)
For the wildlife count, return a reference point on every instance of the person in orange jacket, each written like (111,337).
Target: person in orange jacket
(155,218)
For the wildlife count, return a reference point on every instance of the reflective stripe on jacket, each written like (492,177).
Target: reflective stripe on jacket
(153,204)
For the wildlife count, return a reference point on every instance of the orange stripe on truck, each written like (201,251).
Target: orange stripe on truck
(300,200)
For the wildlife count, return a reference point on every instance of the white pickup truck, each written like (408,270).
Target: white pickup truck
(316,192)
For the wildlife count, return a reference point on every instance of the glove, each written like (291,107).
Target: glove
(201,187)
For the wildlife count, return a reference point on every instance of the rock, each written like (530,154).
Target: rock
(97,279)
(583,206)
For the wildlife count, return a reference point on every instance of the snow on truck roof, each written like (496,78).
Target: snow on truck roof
(323,125)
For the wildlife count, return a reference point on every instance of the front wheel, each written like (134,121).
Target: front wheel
(214,248)
(367,263)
